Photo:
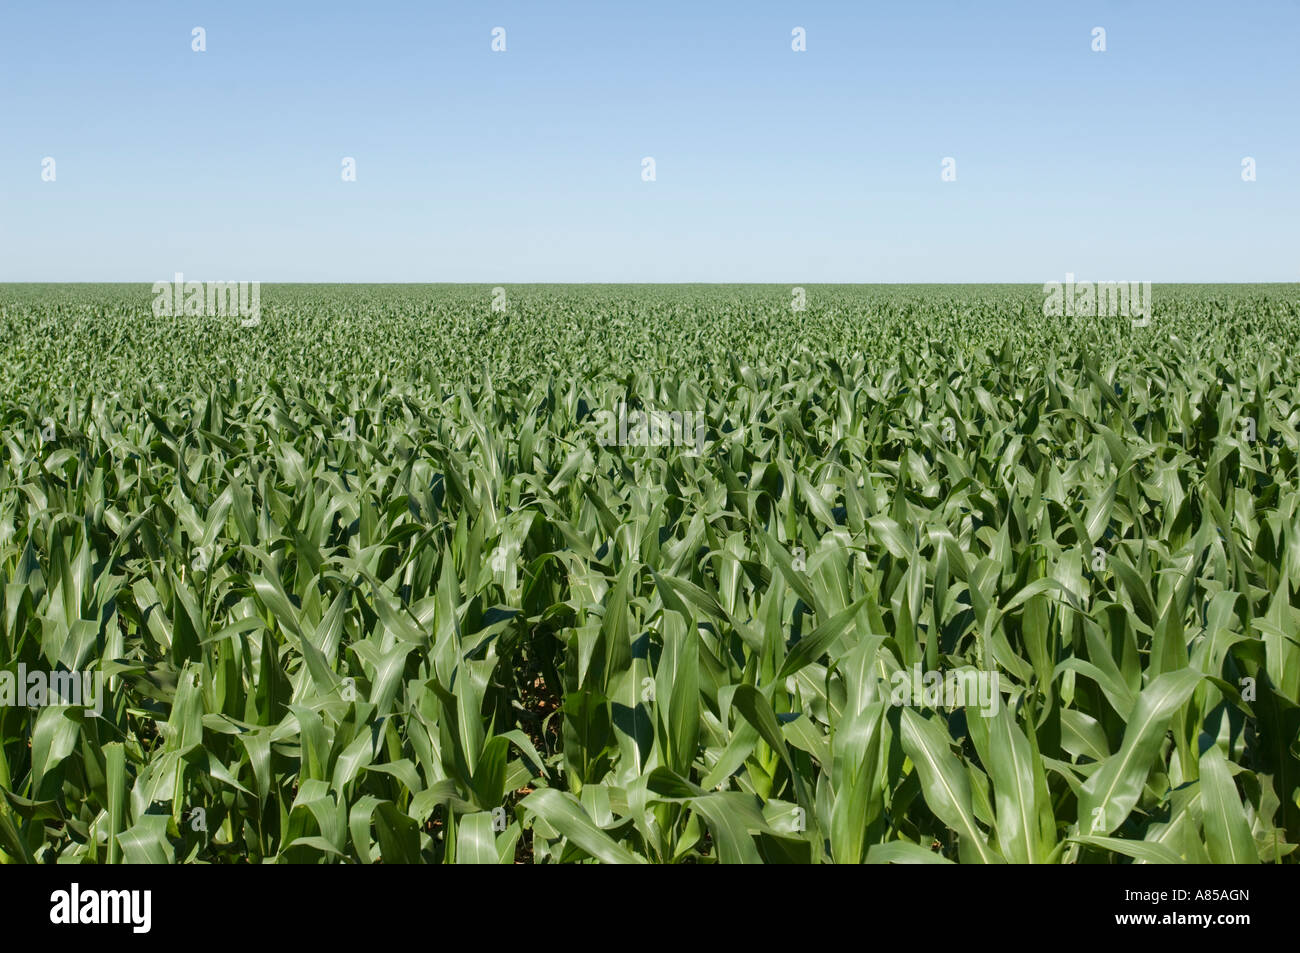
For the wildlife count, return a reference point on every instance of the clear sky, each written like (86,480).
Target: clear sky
(771,165)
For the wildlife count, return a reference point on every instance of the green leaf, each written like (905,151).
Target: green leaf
(1113,790)
(1227,831)
(563,812)
(944,783)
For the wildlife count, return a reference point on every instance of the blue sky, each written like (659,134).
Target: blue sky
(771,165)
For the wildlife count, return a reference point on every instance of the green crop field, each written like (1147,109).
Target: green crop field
(547,574)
